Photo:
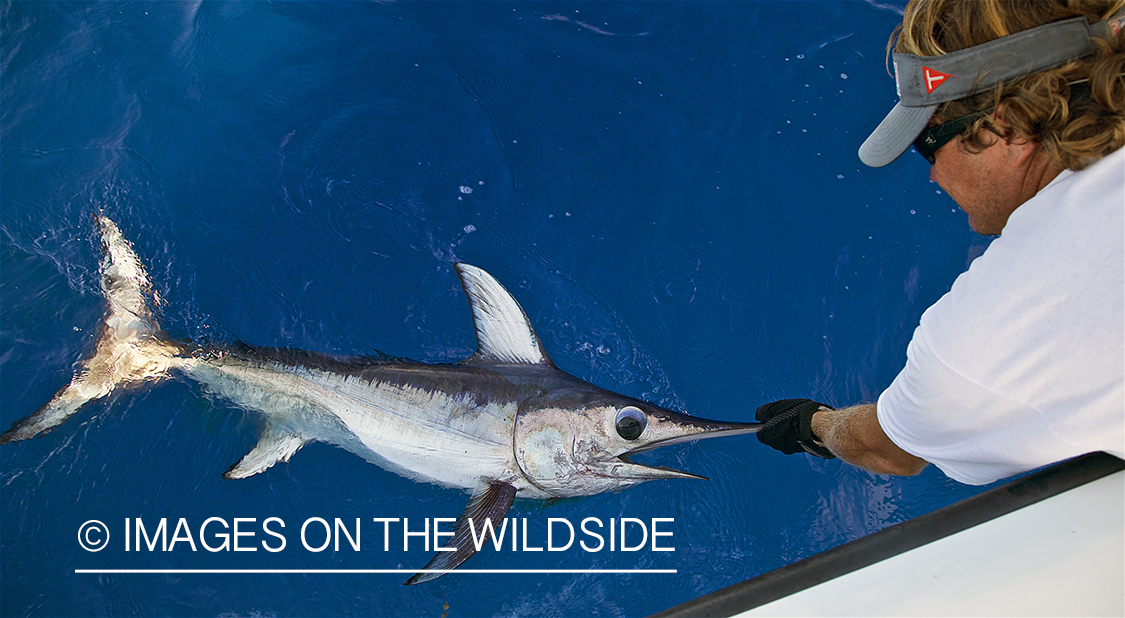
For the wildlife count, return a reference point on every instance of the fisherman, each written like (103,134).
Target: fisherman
(1019,106)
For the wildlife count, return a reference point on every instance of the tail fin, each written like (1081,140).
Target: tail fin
(129,348)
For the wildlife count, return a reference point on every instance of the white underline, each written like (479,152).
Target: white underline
(370,571)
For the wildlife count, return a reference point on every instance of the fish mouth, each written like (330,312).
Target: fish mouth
(658,472)
(688,431)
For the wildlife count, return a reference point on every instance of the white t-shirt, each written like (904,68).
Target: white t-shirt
(1022,363)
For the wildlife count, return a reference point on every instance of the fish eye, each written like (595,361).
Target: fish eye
(630,422)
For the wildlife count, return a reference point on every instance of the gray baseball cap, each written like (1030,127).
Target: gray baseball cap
(924,82)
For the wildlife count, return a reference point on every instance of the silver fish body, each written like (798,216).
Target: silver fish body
(503,423)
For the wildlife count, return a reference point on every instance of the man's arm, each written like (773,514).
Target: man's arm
(854,435)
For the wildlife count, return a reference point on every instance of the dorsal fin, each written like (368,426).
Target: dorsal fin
(504,334)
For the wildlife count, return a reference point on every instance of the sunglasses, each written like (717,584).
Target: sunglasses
(932,138)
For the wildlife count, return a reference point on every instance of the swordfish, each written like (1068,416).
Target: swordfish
(501,424)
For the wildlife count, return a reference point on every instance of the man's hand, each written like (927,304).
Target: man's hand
(788,427)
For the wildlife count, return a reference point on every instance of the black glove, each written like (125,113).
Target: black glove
(787,427)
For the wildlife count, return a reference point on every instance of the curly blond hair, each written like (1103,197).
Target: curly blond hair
(1075,112)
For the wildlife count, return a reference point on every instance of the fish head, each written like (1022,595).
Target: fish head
(571,438)
(580,450)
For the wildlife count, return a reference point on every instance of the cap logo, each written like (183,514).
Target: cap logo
(934,78)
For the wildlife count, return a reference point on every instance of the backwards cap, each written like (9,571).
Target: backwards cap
(924,82)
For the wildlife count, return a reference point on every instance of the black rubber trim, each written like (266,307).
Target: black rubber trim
(899,538)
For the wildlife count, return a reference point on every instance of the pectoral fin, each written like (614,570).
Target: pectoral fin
(490,502)
(274,446)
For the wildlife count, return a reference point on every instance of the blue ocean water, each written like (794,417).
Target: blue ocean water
(670,189)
